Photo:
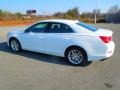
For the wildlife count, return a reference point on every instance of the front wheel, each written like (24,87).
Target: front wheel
(76,56)
(15,45)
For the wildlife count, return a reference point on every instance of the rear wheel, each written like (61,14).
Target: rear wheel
(15,45)
(76,56)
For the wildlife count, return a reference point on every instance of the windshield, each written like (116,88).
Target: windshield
(89,27)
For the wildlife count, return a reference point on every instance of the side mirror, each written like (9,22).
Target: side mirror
(27,31)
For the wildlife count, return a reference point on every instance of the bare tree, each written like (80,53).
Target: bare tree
(113,15)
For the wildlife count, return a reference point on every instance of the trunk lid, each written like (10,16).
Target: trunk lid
(103,32)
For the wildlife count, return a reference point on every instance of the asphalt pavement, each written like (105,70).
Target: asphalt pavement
(36,71)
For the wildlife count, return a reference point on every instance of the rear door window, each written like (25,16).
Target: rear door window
(59,28)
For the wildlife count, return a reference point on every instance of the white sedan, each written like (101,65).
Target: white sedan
(76,41)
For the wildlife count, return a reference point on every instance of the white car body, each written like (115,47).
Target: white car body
(57,43)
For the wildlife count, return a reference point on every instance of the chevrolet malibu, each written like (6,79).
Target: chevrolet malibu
(76,41)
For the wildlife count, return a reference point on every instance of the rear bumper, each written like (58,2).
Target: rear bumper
(109,50)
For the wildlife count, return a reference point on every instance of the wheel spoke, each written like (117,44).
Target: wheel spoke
(73,52)
(75,56)
(14,45)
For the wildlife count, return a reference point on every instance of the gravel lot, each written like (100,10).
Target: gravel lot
(34,71)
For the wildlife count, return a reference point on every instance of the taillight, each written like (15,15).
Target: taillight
(106,39)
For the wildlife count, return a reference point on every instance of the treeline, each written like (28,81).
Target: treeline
(6,16)
(74,14)
(111,16)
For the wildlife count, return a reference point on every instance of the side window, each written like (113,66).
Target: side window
(55,28)
(59,28)
(66,29)
(38,28)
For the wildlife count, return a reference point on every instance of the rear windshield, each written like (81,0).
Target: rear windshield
(89,27)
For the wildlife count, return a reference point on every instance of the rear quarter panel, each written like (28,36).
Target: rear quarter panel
(91,44)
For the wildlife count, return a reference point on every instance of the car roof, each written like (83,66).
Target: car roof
(61,21)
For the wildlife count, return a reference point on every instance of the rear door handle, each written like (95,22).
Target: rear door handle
(41,37)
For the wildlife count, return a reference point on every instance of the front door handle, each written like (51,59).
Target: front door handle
(66,38)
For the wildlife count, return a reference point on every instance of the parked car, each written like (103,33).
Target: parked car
(76,41)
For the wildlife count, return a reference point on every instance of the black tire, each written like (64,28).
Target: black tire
(18,47)
(82,56)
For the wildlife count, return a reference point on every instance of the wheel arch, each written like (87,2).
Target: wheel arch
(75,46)
(11,38)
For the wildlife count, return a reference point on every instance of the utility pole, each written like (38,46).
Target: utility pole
(96,12)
